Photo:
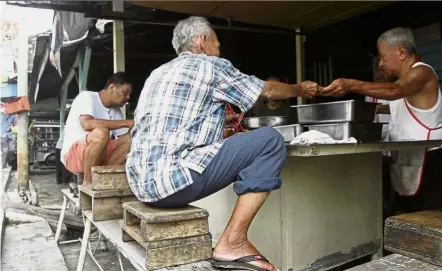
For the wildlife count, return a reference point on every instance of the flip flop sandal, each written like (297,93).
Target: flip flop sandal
(241,263)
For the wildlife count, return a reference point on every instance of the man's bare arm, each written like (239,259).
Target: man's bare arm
(280,91)
(89,123)
(383,109)
(411,83)
(408,85)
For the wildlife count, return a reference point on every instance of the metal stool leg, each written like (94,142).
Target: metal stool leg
(84,244)
(60,220)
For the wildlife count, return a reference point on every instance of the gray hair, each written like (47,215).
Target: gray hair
(400,37)
(187,30)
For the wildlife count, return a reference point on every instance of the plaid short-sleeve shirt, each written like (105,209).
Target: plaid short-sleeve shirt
(179,121)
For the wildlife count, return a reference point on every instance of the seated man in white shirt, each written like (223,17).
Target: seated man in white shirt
(96,133)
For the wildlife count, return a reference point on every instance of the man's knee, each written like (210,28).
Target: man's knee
(275,139)
(125,139)
(99,135)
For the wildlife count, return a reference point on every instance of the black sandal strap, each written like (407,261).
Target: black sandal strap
(251,258)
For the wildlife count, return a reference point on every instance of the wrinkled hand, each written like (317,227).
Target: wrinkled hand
(310,89)
(338,87)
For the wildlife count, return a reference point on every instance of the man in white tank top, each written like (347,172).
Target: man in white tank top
(415,104)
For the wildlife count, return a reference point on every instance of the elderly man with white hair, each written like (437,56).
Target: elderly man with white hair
(178,152)
(416,114)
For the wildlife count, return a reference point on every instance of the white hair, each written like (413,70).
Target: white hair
(187,30)
(400,37)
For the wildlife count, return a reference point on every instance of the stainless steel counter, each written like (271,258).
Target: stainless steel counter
(337,149)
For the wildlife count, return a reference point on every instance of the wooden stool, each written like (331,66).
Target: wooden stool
(105,204)
(416,235)
(170,236)
(109,177)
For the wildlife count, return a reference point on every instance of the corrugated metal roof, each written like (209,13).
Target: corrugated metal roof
(287,14)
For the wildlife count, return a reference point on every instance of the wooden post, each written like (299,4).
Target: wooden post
(299,61)
(64,94)
(22,118)
(118,35)
(84,68)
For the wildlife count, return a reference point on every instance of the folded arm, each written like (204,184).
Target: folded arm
(89,123)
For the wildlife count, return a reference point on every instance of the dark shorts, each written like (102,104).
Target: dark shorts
(252,160)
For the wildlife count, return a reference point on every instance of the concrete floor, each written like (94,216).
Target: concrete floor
(49,194)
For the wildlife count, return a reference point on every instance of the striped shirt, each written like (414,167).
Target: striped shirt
(180,119)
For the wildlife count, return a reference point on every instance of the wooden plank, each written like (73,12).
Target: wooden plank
(109,208)
(396,262)
(135,233)
(71,197)
(134,252)
(50,215)
(104,193)
(162,224)
(31,247)
(174,229)
(130,219)
(416,235)
(171,252)
(85,201)
(178,255)
(157,215)
(109,177)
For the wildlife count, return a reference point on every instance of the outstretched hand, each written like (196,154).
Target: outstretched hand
(310,89)
(338,87)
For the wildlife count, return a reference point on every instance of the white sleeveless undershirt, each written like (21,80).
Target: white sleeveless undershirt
(403,126)
(409,123)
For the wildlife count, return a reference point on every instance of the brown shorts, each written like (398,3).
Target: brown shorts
(74,159)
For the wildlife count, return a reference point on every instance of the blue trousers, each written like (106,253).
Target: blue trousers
(252,160)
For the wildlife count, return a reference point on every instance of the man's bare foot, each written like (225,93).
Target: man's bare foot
(225,251)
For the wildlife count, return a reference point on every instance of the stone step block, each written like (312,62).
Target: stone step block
(104,204)
(171,252)
(109,177)
(157,224)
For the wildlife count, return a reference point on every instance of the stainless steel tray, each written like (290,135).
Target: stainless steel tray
(259,122)
(343,111)
(289,132)
(363,132)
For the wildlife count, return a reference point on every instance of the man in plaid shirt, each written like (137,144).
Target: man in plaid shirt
(178,154)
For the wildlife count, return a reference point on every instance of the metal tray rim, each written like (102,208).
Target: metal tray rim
(337,102)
